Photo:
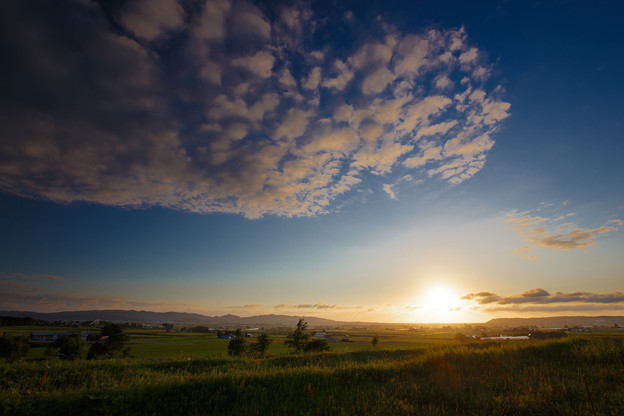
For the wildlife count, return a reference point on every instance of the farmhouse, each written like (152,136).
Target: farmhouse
(508,337)
(53,336)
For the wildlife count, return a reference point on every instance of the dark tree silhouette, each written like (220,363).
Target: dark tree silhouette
(13,348)
(237,346)
(375,341)
(316,345)
(299,337)
(261,345)
(112,343)
(70,347)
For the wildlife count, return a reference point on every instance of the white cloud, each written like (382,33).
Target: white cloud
(150,18)
(294,124)
(211,23)
(260,64)
(440,128)
(343,75)
(388,189)
(468,57)
(551,233)
(247,118)
(443,82)
(247,20)
(313,79)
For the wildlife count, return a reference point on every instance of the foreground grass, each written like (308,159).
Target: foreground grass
(573,376)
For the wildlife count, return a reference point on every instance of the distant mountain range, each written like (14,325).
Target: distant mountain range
(558,321)
(171,317)
(180,318)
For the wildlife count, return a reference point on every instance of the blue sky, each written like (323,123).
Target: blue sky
(397,161)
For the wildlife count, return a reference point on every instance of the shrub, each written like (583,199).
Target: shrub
(316,345)
(261,345)
(70,347)
(13,348)
(237,346)
(298,338)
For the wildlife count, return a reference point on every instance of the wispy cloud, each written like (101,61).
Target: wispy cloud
(5,275)
(319,305)
(247,306)
(25,297)
(553,232)
(550,309)
(233,121)
(388,189)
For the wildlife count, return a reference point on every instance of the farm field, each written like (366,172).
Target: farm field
(577,375)
(160,344)
(184,345)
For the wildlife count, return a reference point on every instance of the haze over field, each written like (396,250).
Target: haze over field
(394,162)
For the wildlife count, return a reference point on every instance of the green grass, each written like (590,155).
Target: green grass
(579,375)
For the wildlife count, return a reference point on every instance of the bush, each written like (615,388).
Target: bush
(13,348)
(375,341)
(298,338)
(70,347)
(317,345)
(237,346)
(261,346)
(113,345)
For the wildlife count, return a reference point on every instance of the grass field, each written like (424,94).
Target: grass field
(160,344)
(581,375)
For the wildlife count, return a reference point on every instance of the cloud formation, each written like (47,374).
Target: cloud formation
(541,300)
(16,296)
(231,108)
(4,275)
(319,306)
(554,233)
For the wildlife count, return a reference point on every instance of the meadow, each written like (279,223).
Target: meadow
(190,375)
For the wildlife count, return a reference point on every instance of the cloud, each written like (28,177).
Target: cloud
(535,293)
(247,306)
(260,64)
(4,275)
(548,309)
(551,233)
(148,19)
(225,107)
(15,297)
(541,300)
(319,306)
(388,189)
(482,298)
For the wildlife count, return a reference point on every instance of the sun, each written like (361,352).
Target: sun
(440,299)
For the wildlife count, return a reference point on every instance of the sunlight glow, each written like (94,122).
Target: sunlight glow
(441,299)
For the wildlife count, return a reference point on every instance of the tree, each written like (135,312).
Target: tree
(261,345)
(299,337)
(113,345)
(459,337)
(168,327)
(375,341)
(13,348)
(70,347)
(316,345)
(237,346)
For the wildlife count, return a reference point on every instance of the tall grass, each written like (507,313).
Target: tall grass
(572,376)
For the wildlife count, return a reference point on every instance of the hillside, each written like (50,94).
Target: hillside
(558,321)
(170,317)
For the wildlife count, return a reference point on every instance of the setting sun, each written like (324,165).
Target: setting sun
(441,298)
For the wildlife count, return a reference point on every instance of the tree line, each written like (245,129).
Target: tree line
(109,343)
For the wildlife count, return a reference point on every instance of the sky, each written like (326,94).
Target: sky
(382,161)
